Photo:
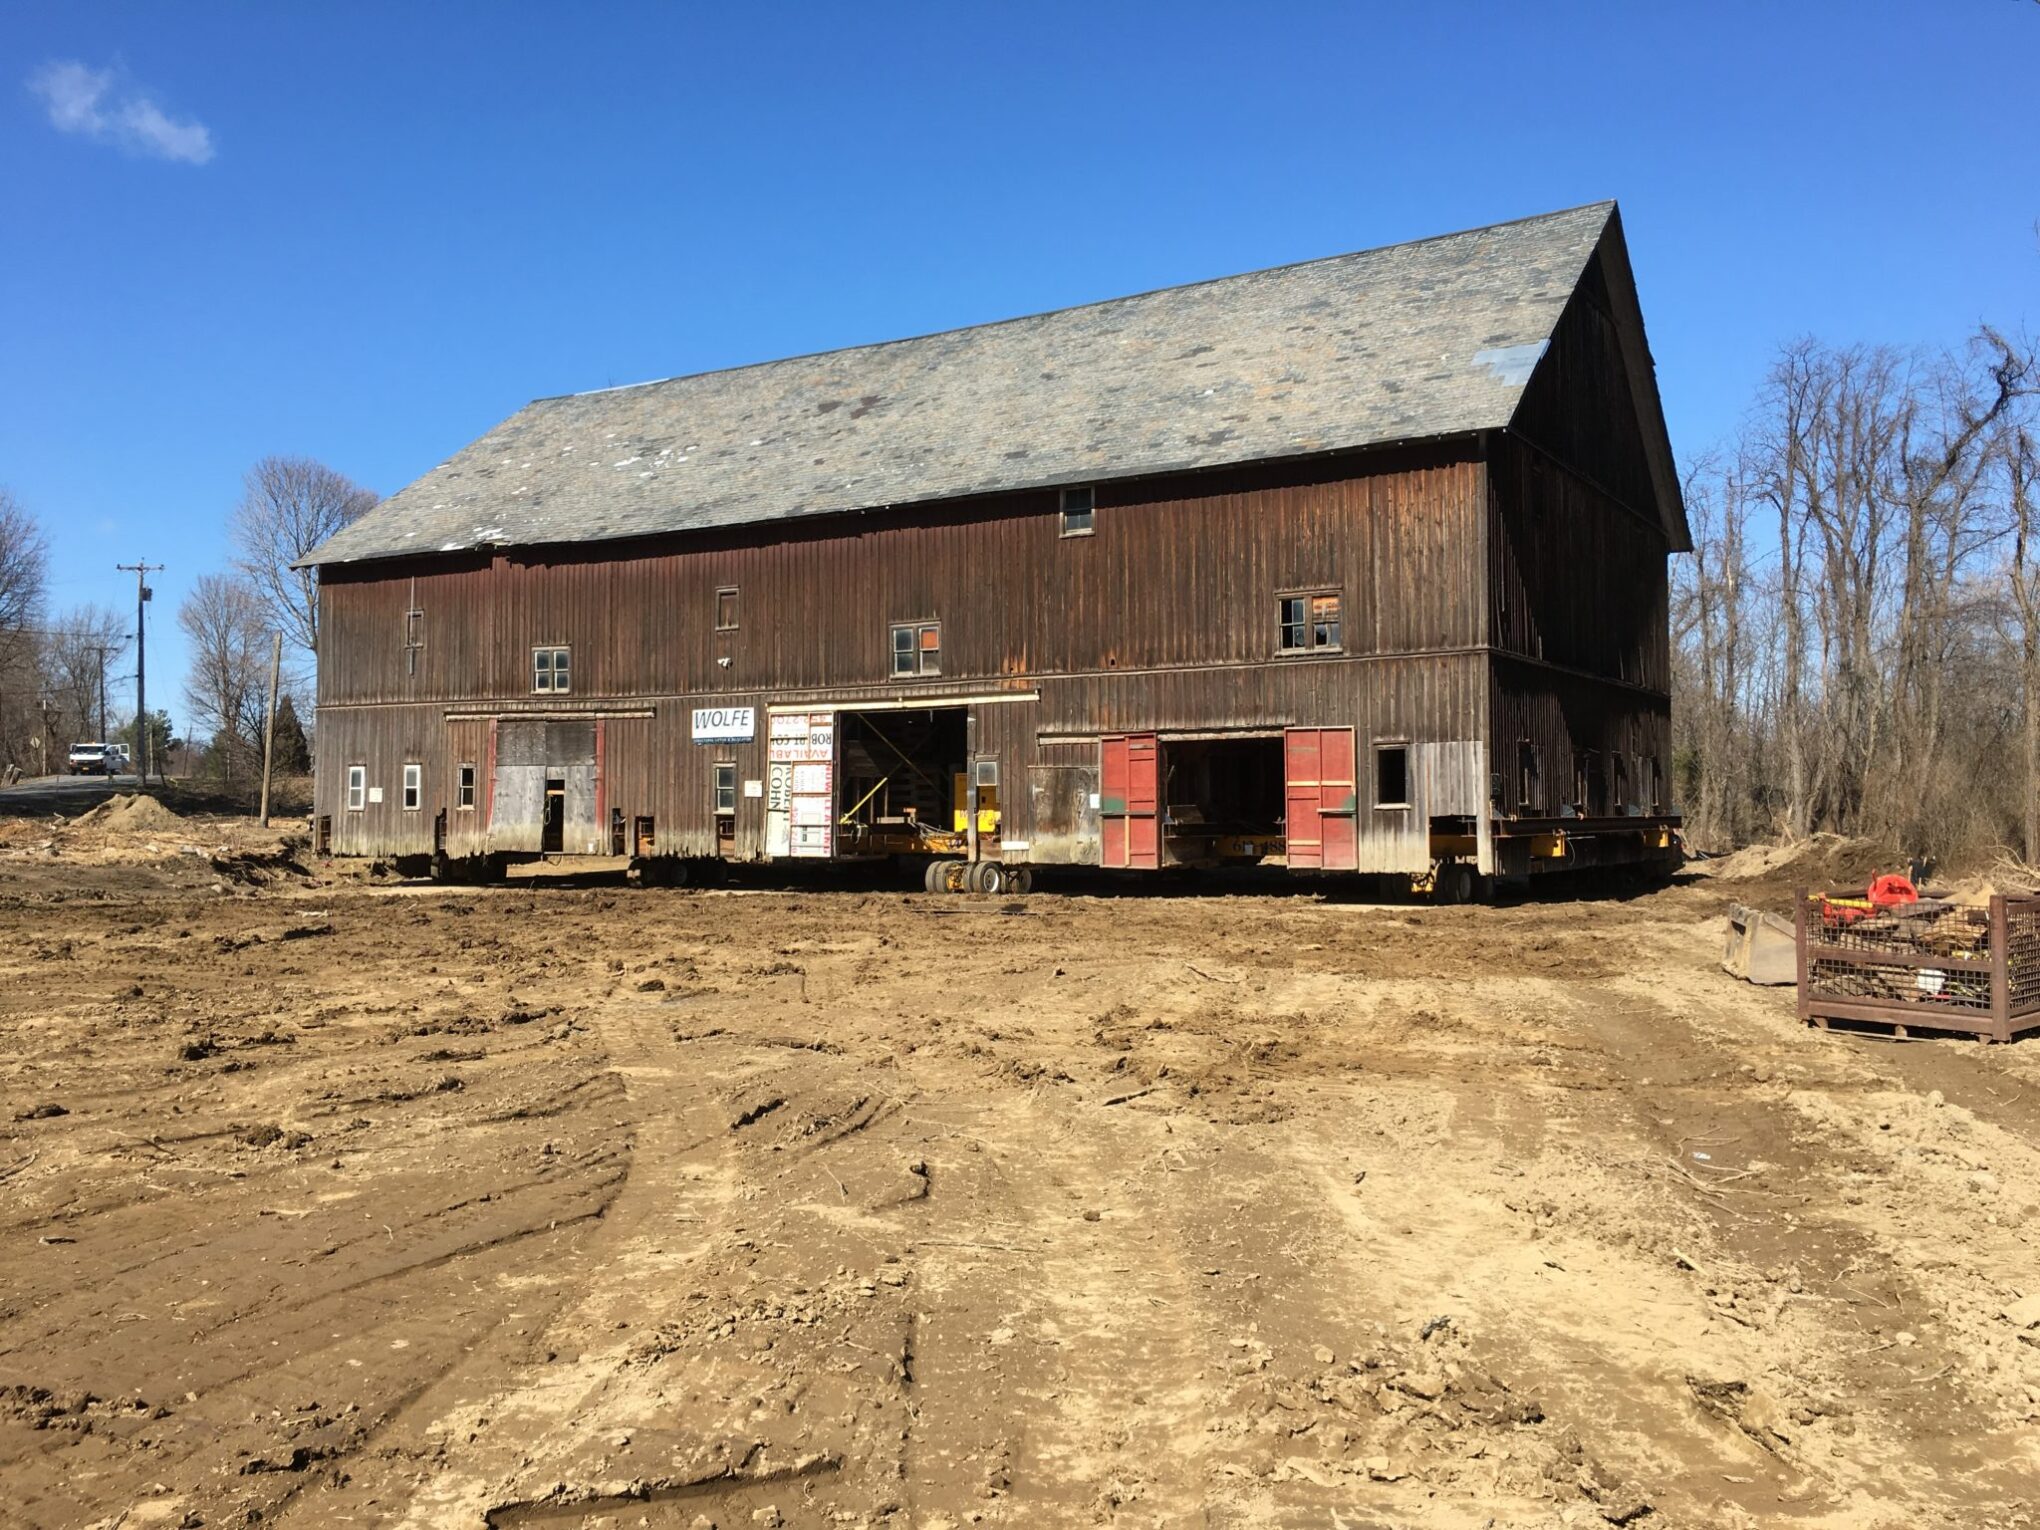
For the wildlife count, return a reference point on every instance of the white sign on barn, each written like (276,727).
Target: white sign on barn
(725,725)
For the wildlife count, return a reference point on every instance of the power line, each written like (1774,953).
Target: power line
(141,569)
(58,632)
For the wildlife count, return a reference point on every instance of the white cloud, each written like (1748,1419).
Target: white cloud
(94,104)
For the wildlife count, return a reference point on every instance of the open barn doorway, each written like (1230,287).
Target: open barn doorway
(898,777)
(1223,799)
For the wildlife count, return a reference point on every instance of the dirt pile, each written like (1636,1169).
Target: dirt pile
(132,813)
(1767,875)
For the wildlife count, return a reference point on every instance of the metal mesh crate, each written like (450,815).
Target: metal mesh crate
(1930,965)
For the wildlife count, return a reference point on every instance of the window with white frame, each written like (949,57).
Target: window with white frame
(550,675)
(1078,511)
(464,797)
(357,788)
(726,789)
(414,787)
(916,649)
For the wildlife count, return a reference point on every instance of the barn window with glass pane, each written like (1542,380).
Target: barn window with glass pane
(916,648)
(1308,622)
(1077,506)
(549,675)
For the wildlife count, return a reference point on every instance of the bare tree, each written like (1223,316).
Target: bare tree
(24,565)
(224,620)
(79,649)
(1711,602)
(288,507)
(1875,680)
(2020,460)
(24,561)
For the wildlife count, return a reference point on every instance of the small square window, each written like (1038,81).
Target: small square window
(1078,506)
(414,787)
(357,787)
(1392,775)
(726,788)
(1308,622)
(464,797)
(549,671)
(726,609)
(917,648)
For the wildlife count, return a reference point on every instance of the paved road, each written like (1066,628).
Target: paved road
(69,795)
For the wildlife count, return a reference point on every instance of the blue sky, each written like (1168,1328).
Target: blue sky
(365,233)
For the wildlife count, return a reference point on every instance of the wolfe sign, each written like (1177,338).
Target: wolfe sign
(725,725)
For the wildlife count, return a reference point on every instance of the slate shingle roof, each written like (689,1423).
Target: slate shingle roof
(1414,340)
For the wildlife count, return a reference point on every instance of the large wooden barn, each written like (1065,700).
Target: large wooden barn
(1358,564)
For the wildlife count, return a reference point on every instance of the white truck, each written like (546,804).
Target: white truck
(88,760)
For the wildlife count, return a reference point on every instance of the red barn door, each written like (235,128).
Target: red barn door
(1323,797)
(1128,796)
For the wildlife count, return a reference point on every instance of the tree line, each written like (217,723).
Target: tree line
(56,666)
(1857,631)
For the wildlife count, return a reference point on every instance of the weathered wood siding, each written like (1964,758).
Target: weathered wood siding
(1579,600)
(1164,618)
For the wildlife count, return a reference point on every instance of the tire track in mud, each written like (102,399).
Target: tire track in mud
(627,1395)
(1845,1322)
(251,1341)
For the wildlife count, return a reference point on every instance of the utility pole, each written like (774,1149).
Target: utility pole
(143,595)
(102,650)
(269,727)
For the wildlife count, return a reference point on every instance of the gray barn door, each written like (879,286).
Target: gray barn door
(541,762)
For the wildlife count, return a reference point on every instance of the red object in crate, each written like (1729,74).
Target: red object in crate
(1893,891)
(1885,893)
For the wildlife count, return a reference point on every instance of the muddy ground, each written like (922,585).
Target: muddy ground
(325,1202)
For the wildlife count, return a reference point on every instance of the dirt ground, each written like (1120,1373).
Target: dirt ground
(328,1202)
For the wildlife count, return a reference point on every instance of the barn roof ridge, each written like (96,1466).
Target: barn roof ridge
(1429,338)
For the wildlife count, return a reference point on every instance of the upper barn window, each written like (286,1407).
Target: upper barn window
(917,648)
(1078,507)
(1308,622)
(726,608)
(550,675)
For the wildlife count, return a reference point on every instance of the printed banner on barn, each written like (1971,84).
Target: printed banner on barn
(725,725)
(800,791)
